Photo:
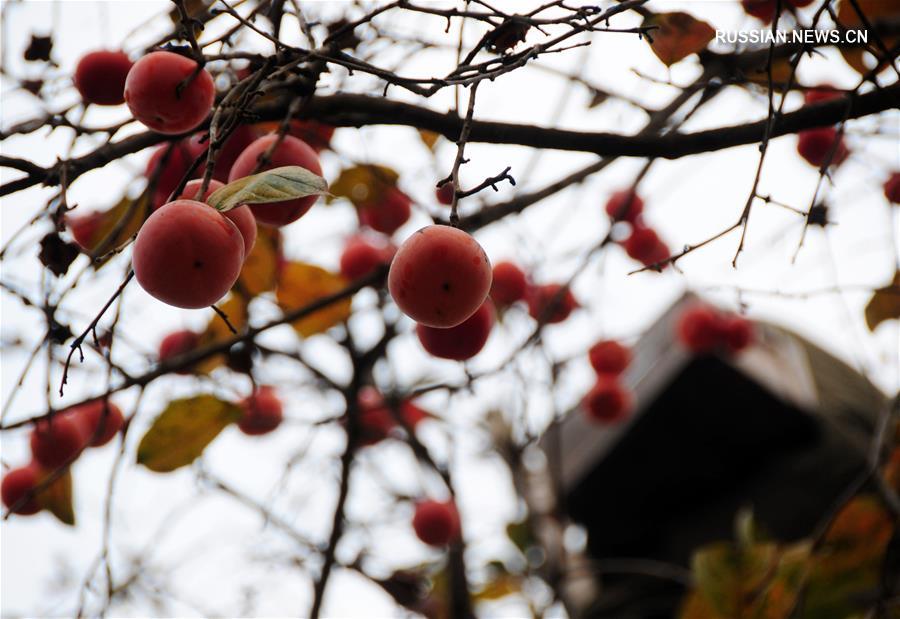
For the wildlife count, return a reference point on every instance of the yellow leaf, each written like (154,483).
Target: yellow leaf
(57,497)
(781,73)
(235,308)
(260,271)
(300,284)
(725,573)
(113,228)
(183,430)
(697,606)
(678,35)
(499,587)
(363,184)
(276,185)
(884,304)
(429,138)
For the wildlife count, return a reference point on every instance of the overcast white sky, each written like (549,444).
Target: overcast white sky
(217,549)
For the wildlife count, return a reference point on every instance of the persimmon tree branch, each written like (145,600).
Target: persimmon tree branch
(363,110)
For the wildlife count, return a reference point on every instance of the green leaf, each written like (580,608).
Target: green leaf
(276,185)
(183,430)
(57,498)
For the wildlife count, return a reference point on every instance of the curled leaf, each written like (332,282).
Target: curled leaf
(276,185)
(183,430)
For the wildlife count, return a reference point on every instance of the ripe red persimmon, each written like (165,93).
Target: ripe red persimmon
(187,254)
(763,10)
(641,244)
(388,214)
(608,401)
(550,303)
(814,145)
(100,77)
(699,328)
(463,341)
(262,412)
(361,256)
(84,228)
(444,194)
(317,135)
(737,333)
(821,93)
(57,441)
(18,484)
(167,93)
(242,217)
(509,284)
(290,152)
(436,523)
(375,418)
(100,421)
(624,205)
(169,163)
(235,144)
(892,188)
(440,276)
(176,344)
(609,357)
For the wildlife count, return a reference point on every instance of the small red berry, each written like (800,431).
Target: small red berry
(609,357)
(624,205)
(19,483)
(436,523)
(509,284)
(262,412)
(608,401)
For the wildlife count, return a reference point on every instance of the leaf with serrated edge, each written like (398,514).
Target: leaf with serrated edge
(183,430)
(276,185)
